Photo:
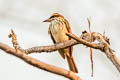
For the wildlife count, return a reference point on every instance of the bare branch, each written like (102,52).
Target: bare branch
(84,39)
(103,46)
(50,48)
(39,64)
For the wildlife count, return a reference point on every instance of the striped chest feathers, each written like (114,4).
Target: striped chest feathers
(58,31)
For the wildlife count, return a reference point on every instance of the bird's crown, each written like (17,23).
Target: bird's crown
(56,15)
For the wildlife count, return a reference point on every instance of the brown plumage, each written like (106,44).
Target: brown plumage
(58,28)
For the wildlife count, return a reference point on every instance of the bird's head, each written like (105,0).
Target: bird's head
(54,16)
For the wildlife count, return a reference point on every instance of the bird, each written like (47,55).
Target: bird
(58,28)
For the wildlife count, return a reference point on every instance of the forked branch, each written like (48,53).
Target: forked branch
(84,39)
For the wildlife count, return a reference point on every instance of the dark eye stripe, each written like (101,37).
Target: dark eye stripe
(52,17)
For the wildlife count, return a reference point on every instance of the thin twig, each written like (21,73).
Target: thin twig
(91,51)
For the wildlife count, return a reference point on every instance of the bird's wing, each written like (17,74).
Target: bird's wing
(60,51)
(70,31)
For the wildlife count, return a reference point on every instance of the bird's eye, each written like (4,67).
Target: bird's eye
(52,17)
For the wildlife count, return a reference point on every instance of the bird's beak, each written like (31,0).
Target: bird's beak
(48,20)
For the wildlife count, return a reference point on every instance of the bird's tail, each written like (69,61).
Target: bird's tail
(72,65)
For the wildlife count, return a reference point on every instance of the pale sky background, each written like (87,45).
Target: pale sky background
(26,16)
